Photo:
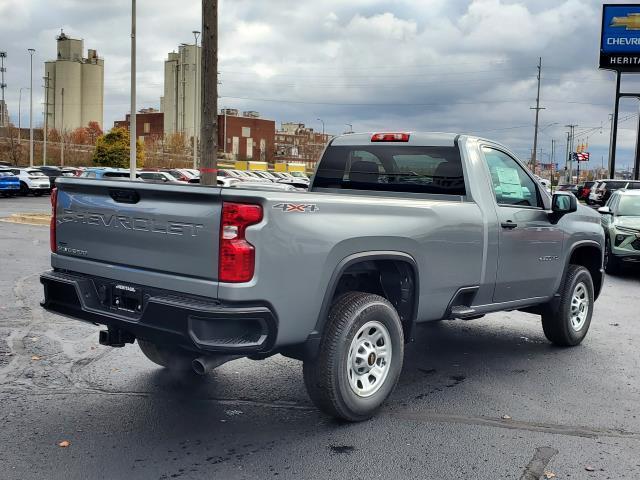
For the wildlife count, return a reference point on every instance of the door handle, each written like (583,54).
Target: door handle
(509,225)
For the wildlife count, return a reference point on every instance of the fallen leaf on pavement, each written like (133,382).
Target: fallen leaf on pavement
(33,339)
(64,443)
(589,468)
(506,417)
(549,474)
(35,357)
(8,354)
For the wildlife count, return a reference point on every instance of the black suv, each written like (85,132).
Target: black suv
(607,187)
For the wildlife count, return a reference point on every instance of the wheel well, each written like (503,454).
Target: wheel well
(394,280)
(590,257)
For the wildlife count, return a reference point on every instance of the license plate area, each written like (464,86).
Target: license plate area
(126,298)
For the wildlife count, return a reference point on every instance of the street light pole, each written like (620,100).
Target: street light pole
(31,52)
(196,34)
(20,112)
(319,119)
(132,116)
(350,127)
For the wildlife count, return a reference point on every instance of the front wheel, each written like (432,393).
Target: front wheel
(24,189)
(360,357)
(567,324)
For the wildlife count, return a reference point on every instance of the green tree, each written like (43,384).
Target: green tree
(112,150)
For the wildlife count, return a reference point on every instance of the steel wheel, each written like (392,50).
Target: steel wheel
(579,306)
(369,359)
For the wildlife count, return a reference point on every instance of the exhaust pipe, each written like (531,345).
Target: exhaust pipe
(203,365)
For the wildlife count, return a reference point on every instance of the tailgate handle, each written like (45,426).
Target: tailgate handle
(124,196)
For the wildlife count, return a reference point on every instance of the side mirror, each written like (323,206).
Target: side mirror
(563,203)
(605,211)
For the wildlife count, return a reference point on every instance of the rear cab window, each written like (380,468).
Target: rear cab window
(392,168)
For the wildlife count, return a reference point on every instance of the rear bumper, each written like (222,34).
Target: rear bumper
(169,318)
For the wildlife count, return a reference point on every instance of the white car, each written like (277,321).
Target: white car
(157,177)
(32,181)
(228,181)
(594,194)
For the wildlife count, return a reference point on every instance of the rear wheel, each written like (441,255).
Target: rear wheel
(360,357)
(168,357)
(24,189)
(568,323)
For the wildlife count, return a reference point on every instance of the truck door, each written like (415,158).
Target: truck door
(529,255)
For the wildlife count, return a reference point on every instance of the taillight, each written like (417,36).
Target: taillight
(237,256)
(52,225)
(390,137)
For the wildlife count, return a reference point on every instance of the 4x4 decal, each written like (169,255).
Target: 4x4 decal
(297,207)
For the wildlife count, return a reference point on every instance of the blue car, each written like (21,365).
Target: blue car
(9,184)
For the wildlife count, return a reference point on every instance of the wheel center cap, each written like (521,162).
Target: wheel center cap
(371,359)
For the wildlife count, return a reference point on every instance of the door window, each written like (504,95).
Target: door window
(511,184)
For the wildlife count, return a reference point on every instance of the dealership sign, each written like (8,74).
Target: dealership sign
(620,41)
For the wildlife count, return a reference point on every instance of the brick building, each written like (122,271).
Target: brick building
(246,136)
(296,143)
(149,124)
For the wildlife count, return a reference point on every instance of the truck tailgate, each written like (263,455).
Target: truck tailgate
(164,228)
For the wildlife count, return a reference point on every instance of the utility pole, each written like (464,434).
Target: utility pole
(62,128)
(46,119)
(570,139)
(209,84)
(196,34)
(537,108)
(132,116)
(553,160)
(3,85)
(31,52)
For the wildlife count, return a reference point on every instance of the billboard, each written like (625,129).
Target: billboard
(620,38)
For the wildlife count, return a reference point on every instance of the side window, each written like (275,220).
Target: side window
(613,201)
(511,184)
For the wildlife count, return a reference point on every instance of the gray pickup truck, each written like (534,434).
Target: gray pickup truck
(396,229)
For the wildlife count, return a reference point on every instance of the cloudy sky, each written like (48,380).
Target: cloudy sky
(450,65)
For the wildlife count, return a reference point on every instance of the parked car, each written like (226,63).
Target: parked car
(594,194)
(567,187)
(266,186)
(229,173)
(31,180)
(621,223)
(607,187)
(184,175)
(397,229)
(295,182)
(267,175)
(228,181)
(9,184)
(282,175)
(107,173)
(157,177)
(545,183)
(583,190)
(250,175)
(54,172)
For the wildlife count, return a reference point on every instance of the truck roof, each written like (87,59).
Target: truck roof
(432,139)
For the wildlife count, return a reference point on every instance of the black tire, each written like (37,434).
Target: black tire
(24,189)
(556,322)
(170,358)
(612,264)
(327,376)
(37,193)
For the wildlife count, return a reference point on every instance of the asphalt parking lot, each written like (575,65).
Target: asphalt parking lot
(484,399)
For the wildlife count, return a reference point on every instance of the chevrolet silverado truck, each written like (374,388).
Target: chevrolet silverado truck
(396,229)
